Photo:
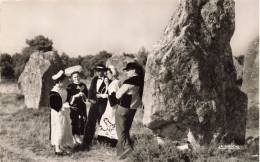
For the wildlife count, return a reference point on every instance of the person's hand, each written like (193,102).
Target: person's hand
(103,95)
(81,94)
(92,101)
(98,95)
(66,105)
(76,95)
(74,108)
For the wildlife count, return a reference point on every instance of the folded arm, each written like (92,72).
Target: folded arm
(124,89)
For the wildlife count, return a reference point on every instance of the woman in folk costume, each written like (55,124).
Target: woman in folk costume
(77,97)
(107,128)
(61,133)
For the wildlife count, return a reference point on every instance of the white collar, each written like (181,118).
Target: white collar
(56,88)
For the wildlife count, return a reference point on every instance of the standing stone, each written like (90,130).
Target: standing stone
(250,83)
(35,82)
(190,77)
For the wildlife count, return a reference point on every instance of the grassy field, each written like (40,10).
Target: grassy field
(24,136)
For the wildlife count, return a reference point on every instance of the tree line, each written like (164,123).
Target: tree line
(12,66)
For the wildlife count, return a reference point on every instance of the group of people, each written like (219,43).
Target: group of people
(113,104)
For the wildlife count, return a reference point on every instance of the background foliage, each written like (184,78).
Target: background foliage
(12,66)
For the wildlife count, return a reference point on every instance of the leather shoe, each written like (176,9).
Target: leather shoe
(82,147)
(61,153)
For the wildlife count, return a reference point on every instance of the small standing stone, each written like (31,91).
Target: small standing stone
(35,81)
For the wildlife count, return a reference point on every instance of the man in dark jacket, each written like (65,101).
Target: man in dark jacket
(97,107)
(130,99)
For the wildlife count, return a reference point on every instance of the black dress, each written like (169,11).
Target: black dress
(77,115)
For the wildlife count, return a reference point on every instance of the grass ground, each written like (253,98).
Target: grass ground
(24,136)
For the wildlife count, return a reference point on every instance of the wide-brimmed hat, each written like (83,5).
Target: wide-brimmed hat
(131,65)
(58,75)
(100,67)
(70,70)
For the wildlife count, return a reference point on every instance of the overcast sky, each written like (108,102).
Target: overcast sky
(89,26)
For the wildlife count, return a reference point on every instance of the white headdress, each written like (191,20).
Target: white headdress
(58,75)
(73,69)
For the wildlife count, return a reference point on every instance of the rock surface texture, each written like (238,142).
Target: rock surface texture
(250,83)
(190,77)
(35,82)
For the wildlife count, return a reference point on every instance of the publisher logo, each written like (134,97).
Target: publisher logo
(229,147)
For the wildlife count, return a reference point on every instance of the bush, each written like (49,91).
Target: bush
(146,148)
(7,71)
(40,43)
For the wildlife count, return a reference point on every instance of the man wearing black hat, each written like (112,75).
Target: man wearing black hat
(97,107)
(130,98)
